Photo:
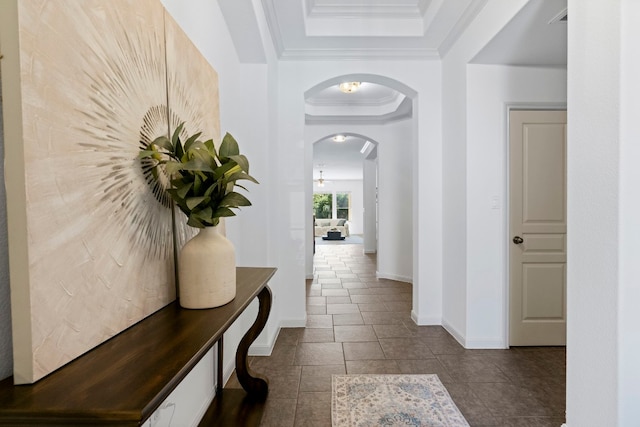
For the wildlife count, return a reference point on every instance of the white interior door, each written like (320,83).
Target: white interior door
(538,227)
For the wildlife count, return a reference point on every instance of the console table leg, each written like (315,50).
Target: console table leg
(256,385)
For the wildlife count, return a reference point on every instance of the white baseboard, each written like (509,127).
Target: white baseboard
(309,277)
(425,320)
(473,344)
(372,251)
(485,344)
(453,332)
(293,323)
(264,349)
(395,277)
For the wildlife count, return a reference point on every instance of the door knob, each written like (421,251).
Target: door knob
(517,240)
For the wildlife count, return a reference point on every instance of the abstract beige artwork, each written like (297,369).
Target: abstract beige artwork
(91,235)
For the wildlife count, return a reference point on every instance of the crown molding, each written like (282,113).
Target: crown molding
(470,13)
(379,102)
(274,28)
(359,54)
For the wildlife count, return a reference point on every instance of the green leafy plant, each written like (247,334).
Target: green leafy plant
(202,179)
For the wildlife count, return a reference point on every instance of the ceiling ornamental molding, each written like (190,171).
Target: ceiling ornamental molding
(274,28)
(406,9)
(461,25)
(329,54)
(367,29)
(404,111)
(338,109)
(345,19)
(394,98)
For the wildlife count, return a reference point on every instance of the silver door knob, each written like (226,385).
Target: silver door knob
(518,240)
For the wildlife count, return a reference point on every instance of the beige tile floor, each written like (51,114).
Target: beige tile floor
(360,324)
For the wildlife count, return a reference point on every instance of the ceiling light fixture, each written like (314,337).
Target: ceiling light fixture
(321,181)
(365,147)
(349,87)
(339,138)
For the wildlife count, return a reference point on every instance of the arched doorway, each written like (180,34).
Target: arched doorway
(388,119)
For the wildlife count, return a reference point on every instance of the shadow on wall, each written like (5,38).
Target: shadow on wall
(6,348)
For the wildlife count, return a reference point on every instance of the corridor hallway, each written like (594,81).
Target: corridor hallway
(360,324)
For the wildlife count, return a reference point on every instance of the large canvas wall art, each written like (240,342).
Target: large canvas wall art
(91,236)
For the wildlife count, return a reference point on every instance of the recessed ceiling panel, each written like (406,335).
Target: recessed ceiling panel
(333,29)
(365,18)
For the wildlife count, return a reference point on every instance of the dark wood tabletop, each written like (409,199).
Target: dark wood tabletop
(123,380)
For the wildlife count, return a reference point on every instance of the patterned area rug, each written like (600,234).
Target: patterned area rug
(392,400)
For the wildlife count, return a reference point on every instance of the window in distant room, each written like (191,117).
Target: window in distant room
(322,205)
(343,205)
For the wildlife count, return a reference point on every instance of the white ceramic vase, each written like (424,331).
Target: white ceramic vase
(207,270)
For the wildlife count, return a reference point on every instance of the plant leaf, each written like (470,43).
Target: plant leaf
(211,147)
(163,142)
(195,148)
(194,222)
(229,146)
(192,202)
(183,190)
(221,170)
(242,161)
(171,167)
(176,135)
(191,140)
(220,212)
(233,200)
(211,189)
(204,214)
(195,164)
(197,182)
(241,175)
(143,154)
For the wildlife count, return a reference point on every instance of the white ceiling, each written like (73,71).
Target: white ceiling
(371,102)
(534,37)
(385,29)
(329,29)
(338,160)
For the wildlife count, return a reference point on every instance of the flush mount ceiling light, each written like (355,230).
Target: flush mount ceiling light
(349,87)
(339,138)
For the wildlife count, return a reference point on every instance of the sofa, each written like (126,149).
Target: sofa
(321,226)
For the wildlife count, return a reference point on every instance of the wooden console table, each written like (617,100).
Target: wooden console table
(125,379)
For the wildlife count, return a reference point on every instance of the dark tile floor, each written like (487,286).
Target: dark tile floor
(360,324)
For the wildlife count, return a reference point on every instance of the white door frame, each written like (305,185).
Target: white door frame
(551,106)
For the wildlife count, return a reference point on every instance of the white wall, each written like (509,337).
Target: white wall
(603,338)
(491,89)
(354,187)
(370,206)
(395,192)
(246,91)
(629,296)
(487,24)
(395,202)
(245,97)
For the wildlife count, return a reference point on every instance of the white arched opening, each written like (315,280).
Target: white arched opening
(396,138)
